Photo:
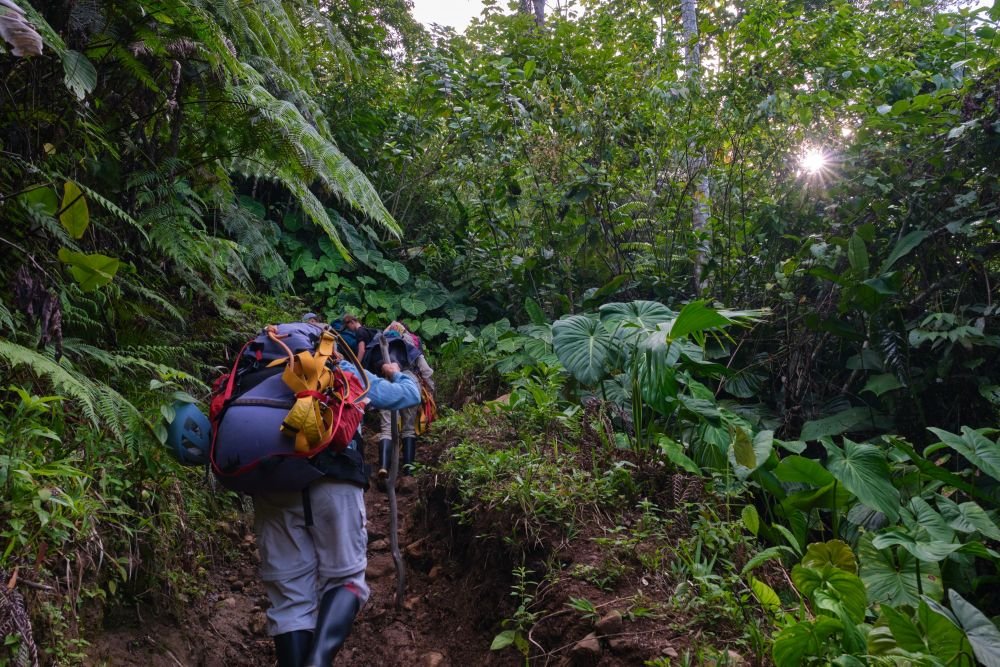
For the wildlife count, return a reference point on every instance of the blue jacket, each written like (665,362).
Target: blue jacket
(401,392)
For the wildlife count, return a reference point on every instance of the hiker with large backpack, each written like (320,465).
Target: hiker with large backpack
(286,430)
(362,334)
(415,365)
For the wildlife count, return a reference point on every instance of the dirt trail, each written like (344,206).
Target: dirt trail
(443,621)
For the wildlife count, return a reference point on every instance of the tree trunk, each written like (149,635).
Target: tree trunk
(698,164)
(535,8)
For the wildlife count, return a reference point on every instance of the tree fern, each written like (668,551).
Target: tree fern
(74,386)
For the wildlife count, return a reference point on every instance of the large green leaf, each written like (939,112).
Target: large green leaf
(976,447)
(928,551)
(863,471)
(434,326)
(747,455)
(944,638)
(902,248)
(833,589)
(857,256)
(582,344)
(904,631)
(90,271)
(73,213)
(42,198)
(413,306)
(396,271)
(834,552)
(980,631)
(635,317)
(919,514)
(80,73)
(805,639)
(968,517)
(890,576)
(696,318)
(802,470)
(764,594)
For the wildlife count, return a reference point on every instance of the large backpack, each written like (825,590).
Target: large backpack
(401,351)
(285,405)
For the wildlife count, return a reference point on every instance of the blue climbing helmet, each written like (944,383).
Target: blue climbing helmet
(189,435)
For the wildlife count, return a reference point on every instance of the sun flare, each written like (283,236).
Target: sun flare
(813,161)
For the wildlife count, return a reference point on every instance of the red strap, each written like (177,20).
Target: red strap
(312,393)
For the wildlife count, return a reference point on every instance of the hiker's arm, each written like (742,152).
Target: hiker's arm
(396,393)
(361,350)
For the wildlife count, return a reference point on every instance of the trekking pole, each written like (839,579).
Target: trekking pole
(391,491)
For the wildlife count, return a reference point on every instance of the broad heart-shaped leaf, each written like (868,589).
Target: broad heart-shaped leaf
(802,470)
(968,518)
(904,631)
(413,306)
(747,455)
(42,198)
(863,471)
(90,271)
(945,639)
(434,326)
(976,447)
(980,631)
(806,639)
(80,73)
(73,214)
(833,552)
(582,344)
(831,496)
(628,319)
(890,576)
(394,270)
(928,551)
(918,514)
(696,318)
(832,589)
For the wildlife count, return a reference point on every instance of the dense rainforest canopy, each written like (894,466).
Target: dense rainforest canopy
(750,242)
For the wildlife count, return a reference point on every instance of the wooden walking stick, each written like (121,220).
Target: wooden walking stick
(397,558)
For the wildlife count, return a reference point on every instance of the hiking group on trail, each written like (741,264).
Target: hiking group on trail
(285,427)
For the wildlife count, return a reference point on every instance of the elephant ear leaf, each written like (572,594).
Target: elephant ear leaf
(980,631)
(582,344)
(863,471)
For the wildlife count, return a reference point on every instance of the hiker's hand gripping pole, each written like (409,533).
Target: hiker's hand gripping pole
(391,491)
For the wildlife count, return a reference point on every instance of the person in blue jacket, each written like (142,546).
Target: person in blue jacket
(313,543)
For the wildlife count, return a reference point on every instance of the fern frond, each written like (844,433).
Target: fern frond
(6,319)
(74,386)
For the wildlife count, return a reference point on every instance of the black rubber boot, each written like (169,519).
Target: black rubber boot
(337,610)
(384,458)
(409,454)
(292,647)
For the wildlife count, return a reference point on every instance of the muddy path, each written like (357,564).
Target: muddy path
(449,614)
